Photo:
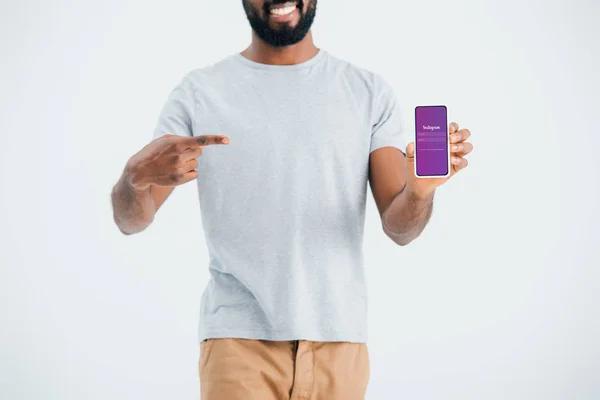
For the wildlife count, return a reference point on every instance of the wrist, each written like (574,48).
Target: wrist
(133,177)
(420,192)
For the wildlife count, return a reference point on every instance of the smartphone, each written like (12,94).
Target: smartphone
(432,142)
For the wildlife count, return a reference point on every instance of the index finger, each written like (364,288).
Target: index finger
(205,140)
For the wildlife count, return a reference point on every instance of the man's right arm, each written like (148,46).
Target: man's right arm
(133,208)
(151,175)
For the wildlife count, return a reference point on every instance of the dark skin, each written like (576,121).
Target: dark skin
(263,53)
(151,175)
(403,200)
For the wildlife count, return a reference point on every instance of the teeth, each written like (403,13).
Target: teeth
(284,10)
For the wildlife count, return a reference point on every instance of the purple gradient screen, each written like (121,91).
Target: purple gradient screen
(431,144)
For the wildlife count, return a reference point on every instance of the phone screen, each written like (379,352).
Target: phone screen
(431,144)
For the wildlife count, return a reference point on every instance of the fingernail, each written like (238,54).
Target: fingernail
(225,140)
(454,147)
(454,160)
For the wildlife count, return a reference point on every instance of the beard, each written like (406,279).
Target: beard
(283,35)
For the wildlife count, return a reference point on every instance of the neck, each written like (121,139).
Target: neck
(262,52)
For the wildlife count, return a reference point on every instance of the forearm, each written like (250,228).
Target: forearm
(133,209)
(407,215)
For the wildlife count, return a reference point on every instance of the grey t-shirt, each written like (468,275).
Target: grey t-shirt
(283,204)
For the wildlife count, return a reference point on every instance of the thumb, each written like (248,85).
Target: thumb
(410,150)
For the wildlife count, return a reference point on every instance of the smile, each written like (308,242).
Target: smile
(283,9)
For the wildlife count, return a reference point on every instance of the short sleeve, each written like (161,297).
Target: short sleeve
(387,119)
(177,114)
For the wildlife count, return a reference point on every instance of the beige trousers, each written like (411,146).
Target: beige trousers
(241,369)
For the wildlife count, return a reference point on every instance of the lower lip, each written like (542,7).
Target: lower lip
(284,18)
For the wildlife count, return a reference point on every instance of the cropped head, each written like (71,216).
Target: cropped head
(280,22)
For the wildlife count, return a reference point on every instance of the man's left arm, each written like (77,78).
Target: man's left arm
(404,201)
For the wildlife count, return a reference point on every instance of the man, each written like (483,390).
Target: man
(282,139)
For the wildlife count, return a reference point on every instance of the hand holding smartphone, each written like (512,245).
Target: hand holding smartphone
(432,142)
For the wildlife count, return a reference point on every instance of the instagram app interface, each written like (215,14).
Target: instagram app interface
(431,140)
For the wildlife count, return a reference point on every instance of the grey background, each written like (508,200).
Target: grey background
(498,299)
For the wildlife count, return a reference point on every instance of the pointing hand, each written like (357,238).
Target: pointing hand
(169,160)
